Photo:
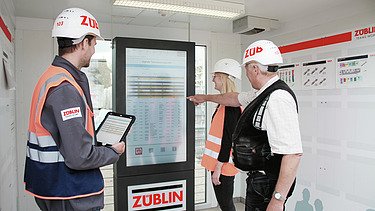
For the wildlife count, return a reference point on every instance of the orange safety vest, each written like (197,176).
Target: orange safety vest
(46,175)
(213,145)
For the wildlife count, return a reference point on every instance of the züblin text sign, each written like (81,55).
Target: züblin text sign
(165,195)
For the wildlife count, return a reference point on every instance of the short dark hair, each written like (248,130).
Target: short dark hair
(66,44)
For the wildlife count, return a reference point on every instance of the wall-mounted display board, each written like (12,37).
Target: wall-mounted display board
(355,71)
(151,81)
(291,75)
(318,74)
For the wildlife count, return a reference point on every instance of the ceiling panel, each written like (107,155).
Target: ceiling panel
(284,11)
(126,11)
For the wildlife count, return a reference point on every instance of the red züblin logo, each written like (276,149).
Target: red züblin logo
(70,112)
(87,21)
(148,199)
(368,30)
(253,51)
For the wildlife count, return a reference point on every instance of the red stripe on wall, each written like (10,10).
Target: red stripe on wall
(339,38)
(5,29)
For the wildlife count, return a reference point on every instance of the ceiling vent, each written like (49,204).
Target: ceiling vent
(250,25)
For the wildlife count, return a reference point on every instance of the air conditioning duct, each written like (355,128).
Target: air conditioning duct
(250,25)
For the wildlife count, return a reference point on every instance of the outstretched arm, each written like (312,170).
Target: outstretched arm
(226,99)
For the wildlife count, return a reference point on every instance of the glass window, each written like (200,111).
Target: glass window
(99,74)
(200,124)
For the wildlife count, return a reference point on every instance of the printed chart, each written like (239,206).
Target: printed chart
(354,71)
(291,75)
(318,74)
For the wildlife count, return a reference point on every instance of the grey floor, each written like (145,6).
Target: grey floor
(239,207)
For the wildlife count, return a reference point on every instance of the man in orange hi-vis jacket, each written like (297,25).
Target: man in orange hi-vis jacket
(62,156)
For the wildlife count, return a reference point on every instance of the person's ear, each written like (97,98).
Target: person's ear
(256,68)
(81,45)
(85,43)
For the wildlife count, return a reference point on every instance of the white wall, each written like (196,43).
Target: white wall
(338,165)
(35,51)
(8,158)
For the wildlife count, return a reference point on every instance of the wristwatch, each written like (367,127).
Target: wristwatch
(278,196)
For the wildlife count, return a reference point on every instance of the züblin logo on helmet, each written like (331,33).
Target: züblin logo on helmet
(87,21)
(253,51)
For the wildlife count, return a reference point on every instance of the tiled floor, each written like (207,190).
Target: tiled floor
(239,207)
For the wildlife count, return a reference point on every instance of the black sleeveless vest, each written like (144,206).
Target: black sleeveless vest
(251,149)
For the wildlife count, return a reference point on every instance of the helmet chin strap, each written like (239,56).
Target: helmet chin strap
(78,40)
(272,68)
(67,42)
(231,77)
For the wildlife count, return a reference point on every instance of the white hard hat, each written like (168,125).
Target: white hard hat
(75,23)
(228,66)
(263,51)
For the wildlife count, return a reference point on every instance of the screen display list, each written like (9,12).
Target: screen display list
(113,129)
(155,89)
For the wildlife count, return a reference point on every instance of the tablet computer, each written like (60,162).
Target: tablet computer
(114,128)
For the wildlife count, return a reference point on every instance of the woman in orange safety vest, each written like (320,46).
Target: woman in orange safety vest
(218,150)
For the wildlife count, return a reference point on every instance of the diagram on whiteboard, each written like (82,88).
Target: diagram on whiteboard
(318,74)
(291,75)
(355,71)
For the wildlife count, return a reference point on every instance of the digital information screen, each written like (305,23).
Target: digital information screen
(155,94)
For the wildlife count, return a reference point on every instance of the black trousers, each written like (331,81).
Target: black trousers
(259,191)
(224,193)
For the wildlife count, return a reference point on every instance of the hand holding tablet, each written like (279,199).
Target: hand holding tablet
(114,128)
(118,147)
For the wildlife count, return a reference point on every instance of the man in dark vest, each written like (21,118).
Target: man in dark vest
(267,140)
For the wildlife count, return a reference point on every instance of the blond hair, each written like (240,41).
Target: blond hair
(228,83)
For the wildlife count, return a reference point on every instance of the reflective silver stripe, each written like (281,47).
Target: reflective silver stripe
(211,153)
(215,155)
(27,151)
(44,156)
(44,87)
(230,159)
(93,141)
(51,80)
(42,141)
(214,139)
(54,78)
(87,118)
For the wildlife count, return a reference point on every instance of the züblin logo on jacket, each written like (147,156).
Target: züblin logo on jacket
(71,113)
(167,195)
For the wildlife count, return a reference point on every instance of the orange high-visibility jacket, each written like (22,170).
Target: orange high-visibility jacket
(213,145)
(46,175)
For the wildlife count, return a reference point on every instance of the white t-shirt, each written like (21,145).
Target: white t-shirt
(280,119)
